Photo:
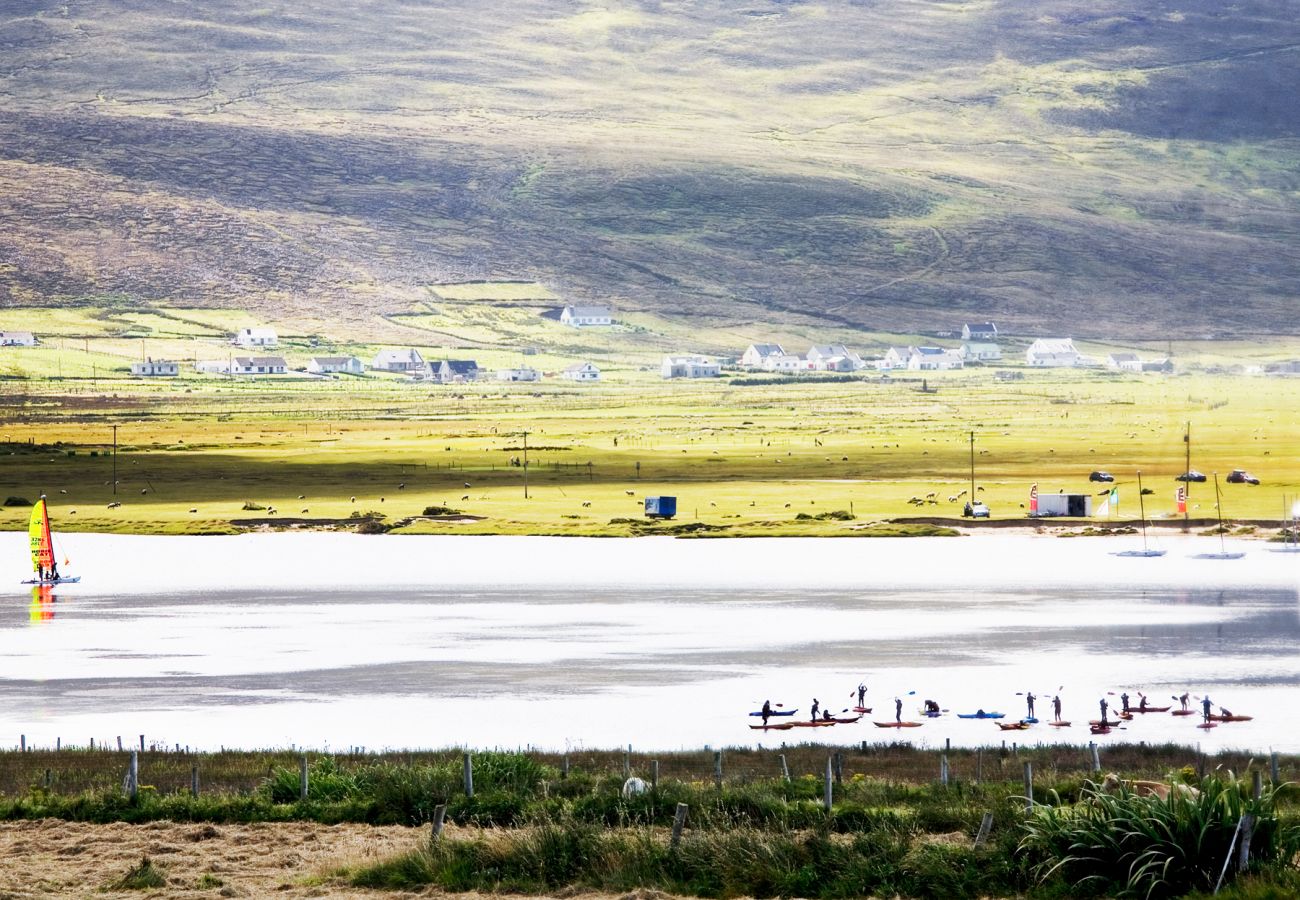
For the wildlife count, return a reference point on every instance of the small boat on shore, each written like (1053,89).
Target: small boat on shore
(897,724)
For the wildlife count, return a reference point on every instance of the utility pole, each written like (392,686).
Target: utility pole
(1187,490)
(525,465)
(115,460)
(972,467)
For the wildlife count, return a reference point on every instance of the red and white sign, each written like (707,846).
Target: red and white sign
(1182,499)
(1033,499)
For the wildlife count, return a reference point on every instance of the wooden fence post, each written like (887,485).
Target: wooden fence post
(302,777)
(1247,821)
(986,825)
(785,769)
(979,764)
(1272,768)
(439,814)
(839,767)
(48,780)
(943,770)
(679,822)
(133,776)
(564,767)
(1096,755)
(194,780)
(1257,784)
(717,768)
(654,774)
(142,743)
(828,798)
(627,765)
(119,743)
(22,743)
(1029,787)
(469,776)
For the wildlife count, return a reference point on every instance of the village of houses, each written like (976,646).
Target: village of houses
(979,346)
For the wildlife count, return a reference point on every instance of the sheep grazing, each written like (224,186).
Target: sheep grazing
(711,503)
(787,506)
(271,510)
(193,509)
(72,512)
(468,485)
(930,496)
(466,497)
(63,490)
(305,510)
(354,499)
(302,497)
(401,485)
(630,493)
(144,490)
(633,786)
(114,505)
(586,503)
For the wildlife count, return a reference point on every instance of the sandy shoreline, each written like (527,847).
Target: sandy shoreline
(124,564)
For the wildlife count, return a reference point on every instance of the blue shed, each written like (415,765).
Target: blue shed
(660,507)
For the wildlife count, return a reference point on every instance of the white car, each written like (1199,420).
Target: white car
(978,510)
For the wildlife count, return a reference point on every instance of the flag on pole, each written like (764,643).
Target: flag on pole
(1182,499)
(1033,499)
(1104,509)
(1113,499)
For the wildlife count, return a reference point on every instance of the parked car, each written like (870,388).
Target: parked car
(1101,476)
(976,510)
(1241,476)
(1190,476)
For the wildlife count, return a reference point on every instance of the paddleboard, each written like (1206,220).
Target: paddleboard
(1184,712)
(1059,724)
(1030,719)
(862,709)
(783,726)
(975,715)
(897,724)
(1208,725)
(1231,718)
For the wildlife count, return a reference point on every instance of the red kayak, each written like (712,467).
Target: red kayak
(1059,724)
(1013,726)
(819,723)
(897,724)
(862,709)
(776,726)
(1184,712)
(1140,709)
(847,720)
(1099,729)
(1208,725)
(1231,718)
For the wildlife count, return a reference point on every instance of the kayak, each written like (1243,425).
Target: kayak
(780,726)
(1059,724)
(931,714)
(981,715)
(1139,709)
(1208,725)
(777,712)
(1012,726)
(1030,719)
(819,723)
(1099,729)
(897,724)
(47,583)
(1184,712)
(1231,718)
(847,720)
(862,709)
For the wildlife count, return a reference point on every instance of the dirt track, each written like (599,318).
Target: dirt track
(49,858)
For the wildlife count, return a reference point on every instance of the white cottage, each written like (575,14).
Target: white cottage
(258,365)
(756,355)
(980,351)
(785,362)
(213,366)
(523,373)
(689,366)
(1053,353)
(455,371)
(933,359)
(329,365)
(163,368)
(818,357)
(408,360)
(253,338)
(586,316)
(979,331)
(583,371)
(17,339)
(895,358)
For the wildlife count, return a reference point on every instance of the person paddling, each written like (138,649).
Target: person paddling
(1056,708)
(1123,698)
(862,694)
(1206,706)
(1142,702)
(767,711)
(1183,701)
(815,708)
(1029,702)
(898,709)
(1104,706)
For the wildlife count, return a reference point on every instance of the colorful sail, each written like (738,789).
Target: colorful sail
(38,532)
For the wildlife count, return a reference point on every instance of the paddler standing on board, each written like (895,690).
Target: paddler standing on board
(1183,700)
(862,693)
(1029,702)
(1206,706)
(767,711)
(1056,708)
(1104,706)
(898,709)
(815,707)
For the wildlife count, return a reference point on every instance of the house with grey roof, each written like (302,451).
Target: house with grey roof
(329,365)
(408,361)
(586,316)
(455,371)
(757,355)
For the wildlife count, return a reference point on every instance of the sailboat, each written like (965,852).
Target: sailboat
(1218,508)
(1145,551)
(1292,544)
(42,543)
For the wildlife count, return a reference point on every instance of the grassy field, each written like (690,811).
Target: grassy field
(539,822)
(743,459)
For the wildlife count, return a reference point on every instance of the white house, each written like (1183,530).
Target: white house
(689,366)
(1053,353)
(258,365)
(523,373)
(980,351)
(895,358)
(408,360)
(586,316)
(583,371)
(1126,362)
(159,367)
(757,355)
(17,339)
(213,366)
(934,359)
(817,357)
(979,331)
(455,371)
(328,365)
(250,338)
(785,362)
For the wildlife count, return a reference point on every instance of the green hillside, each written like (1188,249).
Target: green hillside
(1108,168)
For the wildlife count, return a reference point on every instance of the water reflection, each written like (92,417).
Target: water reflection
(42,605)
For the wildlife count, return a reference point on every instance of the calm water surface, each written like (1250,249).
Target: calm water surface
(604,667)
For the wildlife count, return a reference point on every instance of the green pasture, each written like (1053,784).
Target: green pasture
(742,460)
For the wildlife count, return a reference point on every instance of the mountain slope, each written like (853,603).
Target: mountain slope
(1115,167)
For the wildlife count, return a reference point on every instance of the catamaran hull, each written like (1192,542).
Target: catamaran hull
(40,583)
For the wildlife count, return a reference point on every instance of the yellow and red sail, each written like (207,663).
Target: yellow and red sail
(38,532)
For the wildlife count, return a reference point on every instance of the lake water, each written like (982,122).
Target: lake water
(660,644)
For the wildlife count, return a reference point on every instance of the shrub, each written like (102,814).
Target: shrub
(441,511)
(17,501)
(250,506)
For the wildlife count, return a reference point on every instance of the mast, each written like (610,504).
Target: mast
(1187,443)
(1218,508)
(972,467)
